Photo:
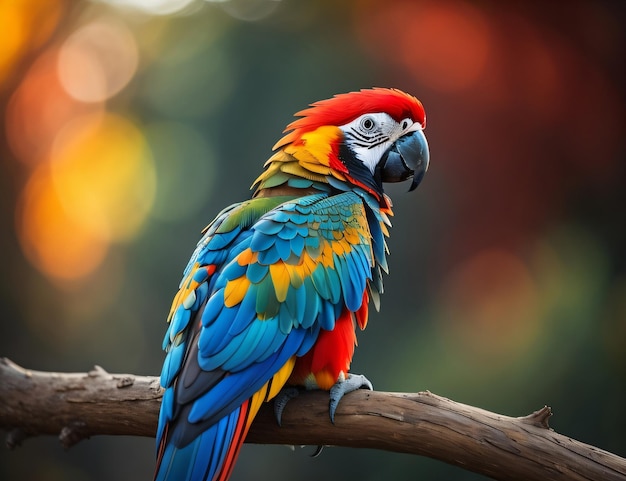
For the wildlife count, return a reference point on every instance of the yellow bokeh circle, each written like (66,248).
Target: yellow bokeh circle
(97,188)
(104,176)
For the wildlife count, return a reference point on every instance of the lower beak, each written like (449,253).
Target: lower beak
(407,158)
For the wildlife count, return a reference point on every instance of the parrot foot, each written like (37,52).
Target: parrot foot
(285,395)
(351,383)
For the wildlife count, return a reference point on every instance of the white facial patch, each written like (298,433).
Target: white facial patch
(370,135)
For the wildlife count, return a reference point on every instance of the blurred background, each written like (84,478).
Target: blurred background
(126,125)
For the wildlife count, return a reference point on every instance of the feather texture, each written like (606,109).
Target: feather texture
(274,291)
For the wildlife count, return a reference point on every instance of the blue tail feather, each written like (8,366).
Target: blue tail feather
(204,457)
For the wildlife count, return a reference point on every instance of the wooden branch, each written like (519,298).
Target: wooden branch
(78,405)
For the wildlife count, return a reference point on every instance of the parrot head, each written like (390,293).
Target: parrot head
(358,139)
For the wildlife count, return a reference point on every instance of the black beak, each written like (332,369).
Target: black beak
(407,157)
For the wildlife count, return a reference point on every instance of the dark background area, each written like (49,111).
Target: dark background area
(127,125)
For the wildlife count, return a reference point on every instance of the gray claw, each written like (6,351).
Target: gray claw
(285,395)
(318,451)
(351,383)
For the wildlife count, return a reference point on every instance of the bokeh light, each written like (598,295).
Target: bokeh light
(97,189)
(98,60)
(152,7)
(490,304)
(37,108)
(445,44)
(25,25)
(55,242)
(104,176)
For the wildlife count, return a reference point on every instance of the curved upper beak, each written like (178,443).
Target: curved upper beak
(407,158)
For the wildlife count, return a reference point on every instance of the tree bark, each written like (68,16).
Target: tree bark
(74,406)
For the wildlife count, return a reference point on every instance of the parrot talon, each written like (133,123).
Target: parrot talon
(341,388)
(285,395)
(318,451)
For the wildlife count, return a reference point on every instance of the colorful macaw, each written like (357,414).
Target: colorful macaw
(278,283)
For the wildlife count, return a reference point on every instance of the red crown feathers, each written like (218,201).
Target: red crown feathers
(343,108)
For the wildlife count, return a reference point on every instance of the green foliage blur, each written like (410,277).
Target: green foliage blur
(128,125)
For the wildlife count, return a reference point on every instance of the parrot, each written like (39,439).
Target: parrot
(274,292)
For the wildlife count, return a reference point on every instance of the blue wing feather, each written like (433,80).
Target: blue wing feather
(172,363)
(246,313)
(297,245)
(237,349)
(179,322)
(268,227)
(256,273)
(269,256)
(261,241)
(242,384)
(283,248)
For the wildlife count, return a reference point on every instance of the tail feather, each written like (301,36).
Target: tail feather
(209,457)
(241,429)
(212,454)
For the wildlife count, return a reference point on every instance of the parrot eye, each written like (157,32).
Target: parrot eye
(367,124)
